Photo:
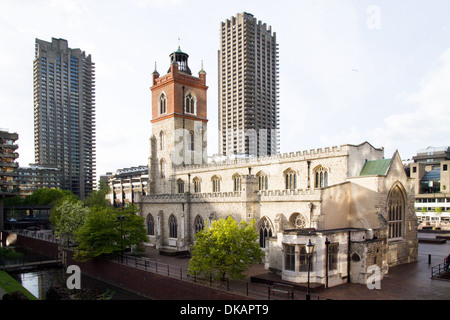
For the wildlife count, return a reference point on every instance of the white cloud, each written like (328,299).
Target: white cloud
(426,123)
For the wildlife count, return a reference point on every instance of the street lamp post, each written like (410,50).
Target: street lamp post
(120,218)
(309,252)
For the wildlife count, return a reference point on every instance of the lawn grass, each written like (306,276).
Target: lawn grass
(9,284)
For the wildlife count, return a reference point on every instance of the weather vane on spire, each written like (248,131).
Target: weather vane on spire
(178,41)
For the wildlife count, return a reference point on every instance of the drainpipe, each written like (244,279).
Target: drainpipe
(326,262)
(348,259)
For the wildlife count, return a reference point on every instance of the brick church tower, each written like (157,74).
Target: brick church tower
(179,122)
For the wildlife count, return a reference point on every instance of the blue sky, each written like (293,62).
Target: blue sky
(350,71)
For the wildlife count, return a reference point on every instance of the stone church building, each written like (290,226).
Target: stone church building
(356,206)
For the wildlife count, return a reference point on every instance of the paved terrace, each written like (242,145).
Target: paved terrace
(405,282)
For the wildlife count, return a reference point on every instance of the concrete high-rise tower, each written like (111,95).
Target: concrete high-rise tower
(64,113)
(248,88)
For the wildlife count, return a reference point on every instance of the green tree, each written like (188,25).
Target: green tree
(41,197)
(98,197)
(227,248)
(103,234)
(48,196)
(67,217)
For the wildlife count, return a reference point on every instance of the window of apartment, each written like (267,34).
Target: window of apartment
(444,167)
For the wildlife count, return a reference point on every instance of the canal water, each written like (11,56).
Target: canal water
(39,281)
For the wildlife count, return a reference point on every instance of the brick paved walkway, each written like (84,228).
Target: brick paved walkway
(405,282)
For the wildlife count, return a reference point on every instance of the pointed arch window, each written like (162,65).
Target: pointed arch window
(162,168)
(265,231)
(173,227)
(197,185)
(237,183)
(263,181)
(396,211)
(162,103)
(190,103)
(215,183)
(150,225)
(199,224)
(190,142)
(321,177)
(162,140)
(290,179)
(180,186)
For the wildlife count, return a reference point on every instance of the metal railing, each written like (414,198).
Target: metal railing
(439,269)
(243,287)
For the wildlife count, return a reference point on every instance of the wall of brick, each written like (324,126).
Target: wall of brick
(150,285)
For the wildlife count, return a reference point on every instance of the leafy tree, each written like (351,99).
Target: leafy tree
(41,197)
(67,217)
(101,232)
(226,248)
(98,197)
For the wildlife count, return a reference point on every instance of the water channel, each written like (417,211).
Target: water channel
(38,281)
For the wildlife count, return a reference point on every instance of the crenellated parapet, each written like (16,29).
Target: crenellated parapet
(304,155)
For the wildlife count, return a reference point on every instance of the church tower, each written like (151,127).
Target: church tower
(179,122)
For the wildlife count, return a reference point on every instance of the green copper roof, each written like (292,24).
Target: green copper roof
(375,167)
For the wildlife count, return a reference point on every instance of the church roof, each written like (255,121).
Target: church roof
(375,167)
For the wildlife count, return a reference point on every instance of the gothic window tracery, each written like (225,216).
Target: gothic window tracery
(150,225)
(290,177)
(162,103)
(199,224)
(320,177)
(297,221)
(396,210)
(265,231)
(237,182)
(263,181)
(173,226)
(190,103)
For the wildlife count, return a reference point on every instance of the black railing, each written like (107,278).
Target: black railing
(439,269)
(243,287)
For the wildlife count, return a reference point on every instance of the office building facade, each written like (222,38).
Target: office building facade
(64,113)
(248,88)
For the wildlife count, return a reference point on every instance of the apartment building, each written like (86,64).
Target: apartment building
(64,113)
(248,88)
(8,168)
